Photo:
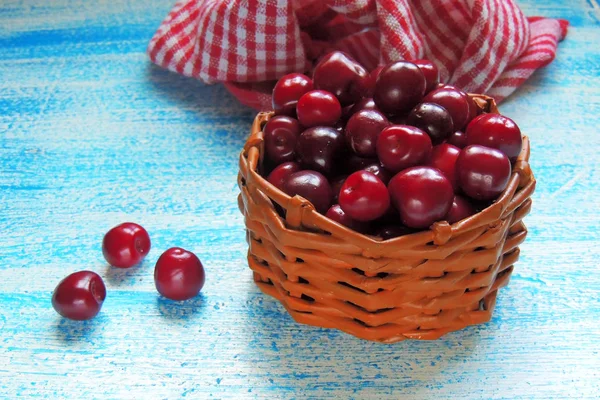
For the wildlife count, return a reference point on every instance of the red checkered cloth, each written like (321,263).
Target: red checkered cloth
(483,46)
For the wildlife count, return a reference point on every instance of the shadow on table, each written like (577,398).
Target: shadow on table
(180,310)
(71,332)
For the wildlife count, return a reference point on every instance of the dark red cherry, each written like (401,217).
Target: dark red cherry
(336,187)
(461,208)
(341,75)
(399,87)
(79,296)
(318,108)
(458,139)
(380,172)
(422,196)
(287,92)
(402,146)
(311,185)
(431,72)
(498,132)
(280,135)
(355,163)
(433,119)
(318,146)
(278,176)
(365,104)
(373,75)
(455,101)
(126,245)
(338,215)
(179,275)
(362,131)
(443,157)
(482,172)
(364,197)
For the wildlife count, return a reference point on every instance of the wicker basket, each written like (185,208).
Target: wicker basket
(418,286)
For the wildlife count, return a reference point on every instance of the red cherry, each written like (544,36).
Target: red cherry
(179,274)
(365,104)
(422,196)
(336,187)
(372,79)
(402,146)
(362,131)
(364,196)
(79,296)
(278,176)
(443,157)
(455,101)
(498,132)
(461,208)
(458,139)
(311,185)
(380,172)
(318,107)
(280,136)
(338,215)
(318,146)
(433,119)
(125,245)
(483,173)
(339,74)
(431,72)
(399,87)
(287,92)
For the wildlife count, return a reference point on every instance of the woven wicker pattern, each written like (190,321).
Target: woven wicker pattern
(418,286)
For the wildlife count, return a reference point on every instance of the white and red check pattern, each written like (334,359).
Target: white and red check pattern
(483,46)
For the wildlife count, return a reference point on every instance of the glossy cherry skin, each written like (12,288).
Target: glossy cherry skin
(422,196)
(431,72)
(336,187)
(443,157)
(433,119)
(403,146)
(178,274)
(280,135)
(455,101)
(482,172)
(461,208)
(362,131)
(373,75)
(311,185)
(458,139)
(365,104)
(498,132)
(287,92)
(125,245)
(79,296)
(281,172)
(399,87)
(364,196)
(338,215)
(379,171)
(341,75)
(318,108)
(318,147)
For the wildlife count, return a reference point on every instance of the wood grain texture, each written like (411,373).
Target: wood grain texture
(92,135)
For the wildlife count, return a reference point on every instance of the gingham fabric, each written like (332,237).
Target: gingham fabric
(481,46)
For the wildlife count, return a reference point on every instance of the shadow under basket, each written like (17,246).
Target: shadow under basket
(418,286)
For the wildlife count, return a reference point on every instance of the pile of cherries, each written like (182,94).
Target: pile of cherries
(386,152)
(178,274)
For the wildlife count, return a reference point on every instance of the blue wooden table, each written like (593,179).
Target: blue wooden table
(92,135)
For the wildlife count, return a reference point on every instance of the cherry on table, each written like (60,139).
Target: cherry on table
(399,87)
(455,101)
(364,197)
(461,208)
(318,108)
(402,146)
(125,245)
(498,132)
(458,139)
(178,274)
(280,135)
(311,185)
(341,75)
(287,92)
(278,176)
(338,215)
(318,147)
(431,73)
(362,131)
(482,172)
(422,196)
(79,296)
(433,119)
(443,157)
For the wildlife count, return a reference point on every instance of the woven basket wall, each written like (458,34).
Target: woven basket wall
(417,286)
